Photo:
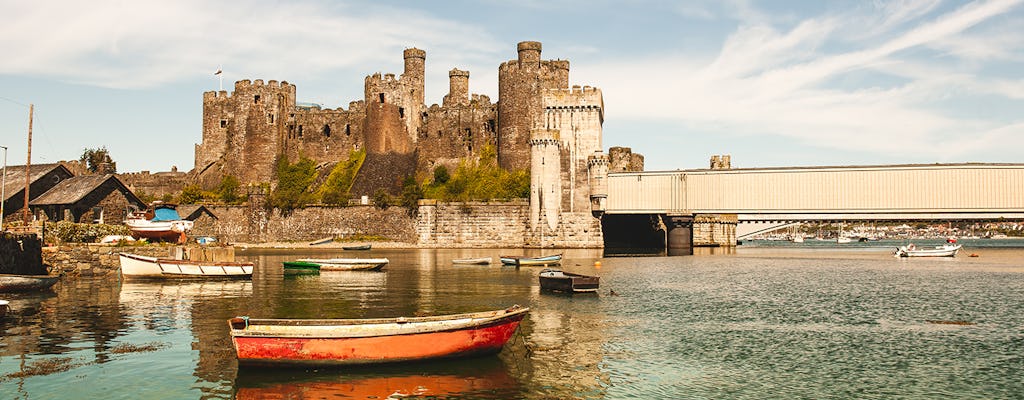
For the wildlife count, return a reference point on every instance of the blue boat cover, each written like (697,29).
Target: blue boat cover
(165,214)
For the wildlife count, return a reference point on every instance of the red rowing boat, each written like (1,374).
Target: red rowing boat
(327,342)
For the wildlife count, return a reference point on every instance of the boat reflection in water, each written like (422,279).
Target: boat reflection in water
(479,378)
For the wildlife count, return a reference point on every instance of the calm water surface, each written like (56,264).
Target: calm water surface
(762,321)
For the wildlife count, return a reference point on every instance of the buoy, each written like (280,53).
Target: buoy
(973,255)
(597,264)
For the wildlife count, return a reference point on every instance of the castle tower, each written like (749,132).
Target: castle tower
(394,107)
(458,88)
(545,179)
(413,78)
(520,86)
(597,171)
(578,114)
(243,131)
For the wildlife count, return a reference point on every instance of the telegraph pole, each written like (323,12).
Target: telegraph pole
(27,215)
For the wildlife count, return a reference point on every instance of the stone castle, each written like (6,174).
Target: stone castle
(540,123)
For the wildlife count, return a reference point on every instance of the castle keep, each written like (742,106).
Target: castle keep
(540,123)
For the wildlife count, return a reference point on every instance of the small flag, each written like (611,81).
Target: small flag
(218,72)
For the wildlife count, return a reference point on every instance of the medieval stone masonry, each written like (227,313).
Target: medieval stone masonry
(539,123)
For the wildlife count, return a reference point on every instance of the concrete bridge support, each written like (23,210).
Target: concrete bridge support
(680,235)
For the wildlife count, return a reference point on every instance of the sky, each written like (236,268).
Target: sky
(771,83)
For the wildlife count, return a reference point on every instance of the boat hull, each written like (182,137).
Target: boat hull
(542,261)
(347,264)
(311,343)
(26,283)
(135,266)
(566,282)
(473,261)
(941,251)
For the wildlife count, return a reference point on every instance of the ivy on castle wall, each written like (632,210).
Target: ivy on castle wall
(293,181)
(335,191)
(479,179)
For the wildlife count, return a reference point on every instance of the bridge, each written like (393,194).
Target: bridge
(884,193)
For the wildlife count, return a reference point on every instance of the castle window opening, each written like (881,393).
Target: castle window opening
(270,118)
(348,129)
(223,123)
(256,99)
(490,125)
(300,130)
(327,130)
(382,98)
(401,112)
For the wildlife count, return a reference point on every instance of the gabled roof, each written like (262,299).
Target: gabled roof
(74,189)
(14,182)
(192,212)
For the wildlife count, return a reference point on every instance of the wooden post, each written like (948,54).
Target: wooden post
(27,215)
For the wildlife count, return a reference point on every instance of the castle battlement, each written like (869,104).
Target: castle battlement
(577,96)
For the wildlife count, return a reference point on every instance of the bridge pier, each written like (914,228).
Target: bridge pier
(679,239)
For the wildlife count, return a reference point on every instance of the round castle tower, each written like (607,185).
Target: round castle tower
(520,102)
(458,88)
(545,178)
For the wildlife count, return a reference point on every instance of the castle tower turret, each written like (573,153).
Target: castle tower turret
(521,83)
(597,169)
(545,178)
(458,88)
(415,64)
(529,51)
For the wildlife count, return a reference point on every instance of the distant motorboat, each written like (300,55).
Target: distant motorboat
(844,239)
(910,250)
(357,247)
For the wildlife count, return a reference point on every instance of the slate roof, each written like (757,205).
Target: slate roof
(71,190)
(14,182)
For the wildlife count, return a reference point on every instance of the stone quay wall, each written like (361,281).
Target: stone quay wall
(500,224)
(93,259)
(257,225)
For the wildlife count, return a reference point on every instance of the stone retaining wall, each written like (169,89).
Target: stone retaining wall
(91,259)
(256,225)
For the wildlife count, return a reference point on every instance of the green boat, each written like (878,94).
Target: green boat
(301,268)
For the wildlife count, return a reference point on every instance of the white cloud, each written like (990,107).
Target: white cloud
(766,82)
(148,43)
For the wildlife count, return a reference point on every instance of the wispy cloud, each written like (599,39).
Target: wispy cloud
(147,43)
(780,82)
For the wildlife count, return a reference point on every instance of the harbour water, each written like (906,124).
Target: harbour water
(765,320)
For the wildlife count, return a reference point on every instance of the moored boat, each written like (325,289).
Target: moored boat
(160,222)
(26,283)
(473,261)
(523,260)
(136,266)
(300,268)
(568,282)
(347,264)
(337,342)
(910,250)
(359,247)
(4,306)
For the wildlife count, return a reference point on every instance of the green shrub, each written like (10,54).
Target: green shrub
(72,232)
(480,179)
